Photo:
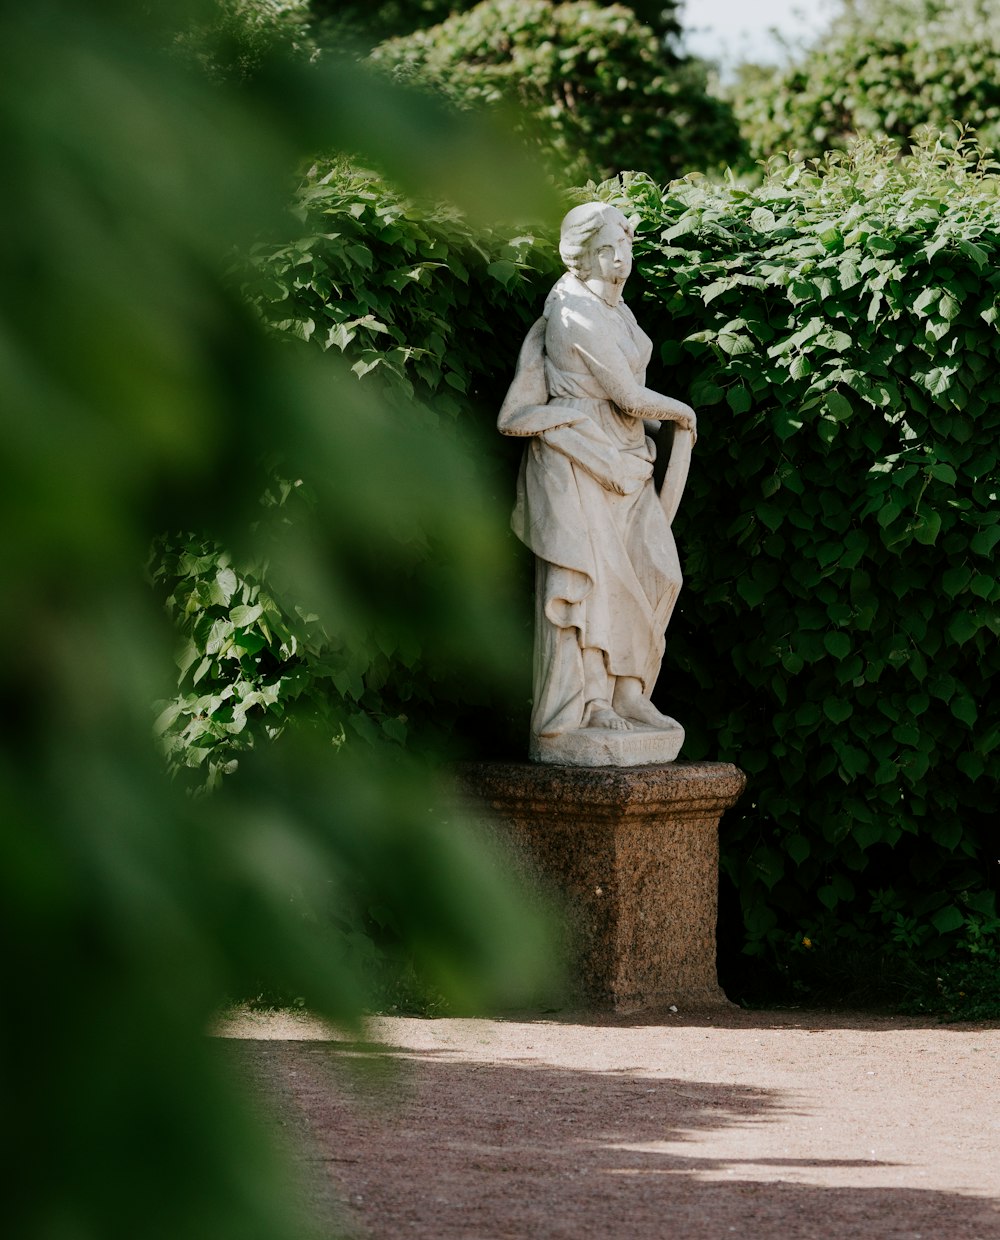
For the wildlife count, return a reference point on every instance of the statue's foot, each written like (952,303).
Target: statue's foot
(605,717)
(640,710)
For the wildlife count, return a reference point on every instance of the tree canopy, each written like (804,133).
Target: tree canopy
(588,85)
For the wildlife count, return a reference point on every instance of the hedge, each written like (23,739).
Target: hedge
(836,328)
(883,69)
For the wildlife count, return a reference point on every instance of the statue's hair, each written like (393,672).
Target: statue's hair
(580,225)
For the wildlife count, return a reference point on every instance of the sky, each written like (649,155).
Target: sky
(729,31)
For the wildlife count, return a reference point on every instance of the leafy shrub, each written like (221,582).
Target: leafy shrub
(837,329)
(425,309)
(590,86)
(408,290)
(885,68)
(246,664)
(363,23)
(967,988)
(231,39)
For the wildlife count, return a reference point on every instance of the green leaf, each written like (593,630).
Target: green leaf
(853,760)
(963,627)
(949,307)
(978,255)
(985,540)
(228,584)
(867,833)
(837,709)
(838,405)
(942,472)
(246,615)
(798,848)
(954,580)
(927,528)
(736,345)
(828,896)
(705,392)
(939,380)
(926,300)
(839,342)
(963,707)
(167,717)
(739,399)
(972,764)
(838,644)
(948,919)
(340,336)
(792,662)
(503,270)
(984,586)
(202,670)
(251,643)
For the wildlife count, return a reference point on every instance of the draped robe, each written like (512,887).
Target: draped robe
(607,569)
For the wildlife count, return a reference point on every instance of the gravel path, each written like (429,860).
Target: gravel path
(781,1124)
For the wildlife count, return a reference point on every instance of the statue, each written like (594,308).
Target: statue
(607,573)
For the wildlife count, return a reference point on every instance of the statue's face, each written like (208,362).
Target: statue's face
(610,254)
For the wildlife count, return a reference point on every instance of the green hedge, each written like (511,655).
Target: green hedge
(837,331)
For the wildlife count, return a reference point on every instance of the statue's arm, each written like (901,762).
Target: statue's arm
(608,364)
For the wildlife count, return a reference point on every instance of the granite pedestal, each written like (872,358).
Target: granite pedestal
(632,856)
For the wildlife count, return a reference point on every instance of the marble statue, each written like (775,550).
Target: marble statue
(607,574)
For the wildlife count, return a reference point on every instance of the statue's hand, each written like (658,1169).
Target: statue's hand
(633,476)
(687,419)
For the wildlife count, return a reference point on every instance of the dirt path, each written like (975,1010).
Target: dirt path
(788,1124)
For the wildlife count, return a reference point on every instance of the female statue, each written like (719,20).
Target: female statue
(607,569)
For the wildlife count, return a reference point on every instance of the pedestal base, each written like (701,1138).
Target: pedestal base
(632,856)
(604,747)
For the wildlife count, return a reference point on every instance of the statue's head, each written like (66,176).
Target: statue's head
(580,229)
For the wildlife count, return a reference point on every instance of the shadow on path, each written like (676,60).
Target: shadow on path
(419,1145)
(734,1017)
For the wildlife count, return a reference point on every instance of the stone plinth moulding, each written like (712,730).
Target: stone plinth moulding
(632,856)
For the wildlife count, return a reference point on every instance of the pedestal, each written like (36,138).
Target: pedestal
(632,856)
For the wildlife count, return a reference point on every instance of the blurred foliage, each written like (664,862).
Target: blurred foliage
(883,69)
(588,86)
(141,395)
(837,330)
